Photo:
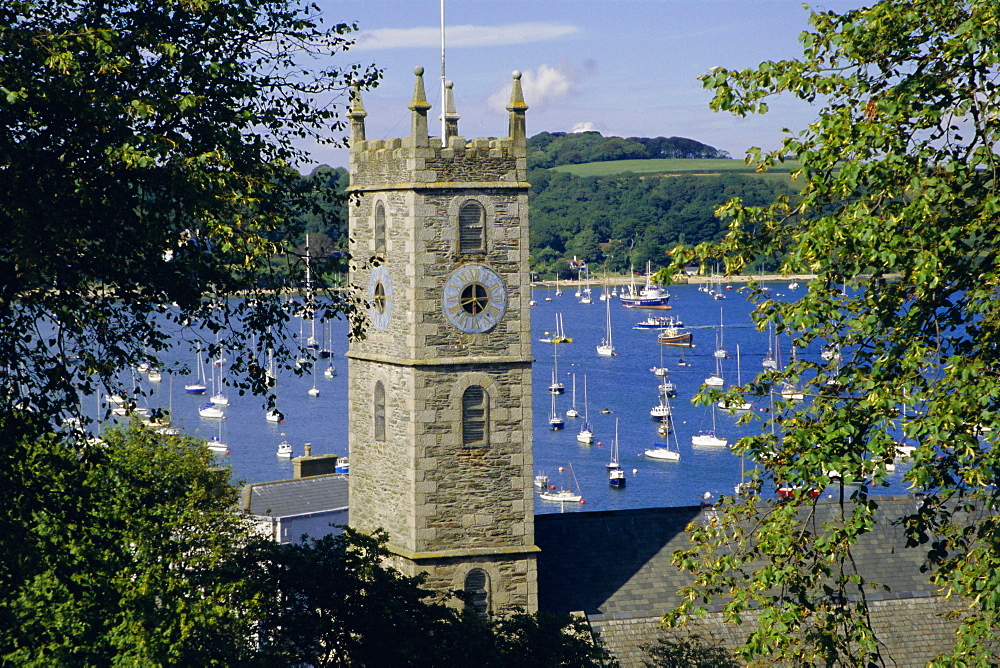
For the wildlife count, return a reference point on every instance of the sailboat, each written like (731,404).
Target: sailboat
(217,443)
(716,380)
(660,370)
(616,474)
(790,391)
(198,386)
(709,437)
(566,495)
(273,415)
(586,433)
(720,351)
(555,420)
(327,353)
(313,391)
(769,361)
(606,347)
(219,398)
(663,451)
(572,412)
(559,334)
(586,299)
(736,405)
(211,411)
(558,291)
(556,386)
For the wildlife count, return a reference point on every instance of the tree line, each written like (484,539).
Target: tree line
(552,149)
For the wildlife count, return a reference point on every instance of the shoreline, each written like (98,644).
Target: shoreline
(625,280)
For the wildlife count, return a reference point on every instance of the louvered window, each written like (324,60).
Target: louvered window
(477,584)
(379,411)
(471,227)
(379,228)
(475,417)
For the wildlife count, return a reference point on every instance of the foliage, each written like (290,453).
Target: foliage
(689,651)
(899,187)
(644,217)
(127,552)
(551,149)
(336,604)
(147,161)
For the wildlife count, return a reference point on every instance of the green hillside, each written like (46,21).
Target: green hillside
(669,166)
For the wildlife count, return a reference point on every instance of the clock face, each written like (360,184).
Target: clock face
(380,297)
(474,298)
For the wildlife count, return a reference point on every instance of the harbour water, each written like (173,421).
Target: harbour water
(622,384)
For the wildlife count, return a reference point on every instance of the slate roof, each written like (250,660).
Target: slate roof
(616,564)
(289,498)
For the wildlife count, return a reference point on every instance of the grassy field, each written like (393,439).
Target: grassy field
(669,167)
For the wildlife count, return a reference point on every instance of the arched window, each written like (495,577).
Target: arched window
(472,228)
(379,227)
(475,417)
(379,411)
(477,583)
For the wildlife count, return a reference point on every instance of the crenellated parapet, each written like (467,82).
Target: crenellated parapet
(422,161)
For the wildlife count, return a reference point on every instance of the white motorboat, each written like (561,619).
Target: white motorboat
(285,450)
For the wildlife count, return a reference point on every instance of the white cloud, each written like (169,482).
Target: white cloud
(459,36)
(542,86)
(585,126)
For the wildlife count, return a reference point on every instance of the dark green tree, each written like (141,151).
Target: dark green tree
(899,192)
(126,552)
(337,604)
(147,159)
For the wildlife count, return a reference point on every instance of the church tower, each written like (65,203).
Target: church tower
(440,421)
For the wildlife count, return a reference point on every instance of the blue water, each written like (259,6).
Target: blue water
(623,384)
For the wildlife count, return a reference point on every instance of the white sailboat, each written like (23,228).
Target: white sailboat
(565,495)
(585,298)
(789,390)
(211,411)
(572,412)
(219,397)
(709,437)
(736,406)
(660,370)
(586,433)
(769,361)
(556,386)
(716,379)
(720,350)
(616,474)
(662,451)
(606,347)
(273,415)
(218,443)
(555,420)
(313,391)
(198,385)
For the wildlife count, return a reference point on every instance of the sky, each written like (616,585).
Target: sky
(626,68)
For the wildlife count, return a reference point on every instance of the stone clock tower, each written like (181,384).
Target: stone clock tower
(440,387)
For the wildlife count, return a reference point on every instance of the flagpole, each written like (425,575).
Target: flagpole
(444,140)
